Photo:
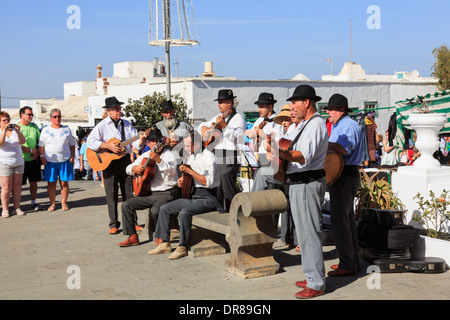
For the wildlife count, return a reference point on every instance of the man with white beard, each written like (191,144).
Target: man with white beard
(171,128)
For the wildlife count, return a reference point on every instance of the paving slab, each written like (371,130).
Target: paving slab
(37,251)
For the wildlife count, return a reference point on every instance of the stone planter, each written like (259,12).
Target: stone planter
(427,127)
(431,247)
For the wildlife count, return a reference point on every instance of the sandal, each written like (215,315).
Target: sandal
(5,214)
(19,212)
(65,207)
(51,208)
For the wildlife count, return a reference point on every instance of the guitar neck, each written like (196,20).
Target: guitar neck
(129,141)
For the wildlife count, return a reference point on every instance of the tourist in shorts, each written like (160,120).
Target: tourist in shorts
(11,164)
(57,152)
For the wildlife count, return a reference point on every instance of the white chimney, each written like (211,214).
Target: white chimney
(209,72)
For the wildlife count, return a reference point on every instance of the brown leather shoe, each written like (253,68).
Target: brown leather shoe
(339,272)
(113,231)
(179,252)
(132,240)
(161,248)
(308,293)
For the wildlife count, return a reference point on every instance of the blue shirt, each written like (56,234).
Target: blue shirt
(348,134)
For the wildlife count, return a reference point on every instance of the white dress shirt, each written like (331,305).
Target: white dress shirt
(166,175)
(205,164)
(271,128)
(231,136)
(106,130)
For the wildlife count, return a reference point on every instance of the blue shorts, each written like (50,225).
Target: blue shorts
(61,170)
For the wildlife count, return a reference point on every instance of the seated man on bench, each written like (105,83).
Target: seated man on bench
(202,167)
(163,187)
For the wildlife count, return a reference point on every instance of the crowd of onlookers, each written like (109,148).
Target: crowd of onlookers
(24,149)
(390,155)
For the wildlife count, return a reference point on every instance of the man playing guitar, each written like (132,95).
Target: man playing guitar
(229,132)
(163,187)
(171,128)
(114,175)
(202,166)
(264,129)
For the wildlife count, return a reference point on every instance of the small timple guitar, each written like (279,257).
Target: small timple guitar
(101,159)
(142,182)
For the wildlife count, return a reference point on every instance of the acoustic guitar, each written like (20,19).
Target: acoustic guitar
(211,137)
(283,144)
(142,182)
(101,159)
(334,164)
(186,187)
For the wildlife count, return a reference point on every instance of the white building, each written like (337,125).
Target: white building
(132,80)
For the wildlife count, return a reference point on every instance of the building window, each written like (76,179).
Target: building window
(371,106)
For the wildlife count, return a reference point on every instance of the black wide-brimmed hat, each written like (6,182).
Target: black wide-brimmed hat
(154,134)
(112,102)
(225,95)
(305,92)
(167,106)
(266,98)
(338,101)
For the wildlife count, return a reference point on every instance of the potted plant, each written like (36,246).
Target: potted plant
(376,200)
(435,218)
(435,213)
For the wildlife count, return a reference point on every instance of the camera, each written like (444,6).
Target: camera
(12,126)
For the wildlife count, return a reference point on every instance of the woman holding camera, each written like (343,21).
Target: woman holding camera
(11,164)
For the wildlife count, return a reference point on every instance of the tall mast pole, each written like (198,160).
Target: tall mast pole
(167,39)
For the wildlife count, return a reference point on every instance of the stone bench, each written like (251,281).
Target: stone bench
(248,231)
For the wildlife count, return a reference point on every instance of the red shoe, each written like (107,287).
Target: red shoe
(308,293)
(334,266)
(158,241)
(113,231)
(342,273)
(301,284)
(132,240)
(139,228)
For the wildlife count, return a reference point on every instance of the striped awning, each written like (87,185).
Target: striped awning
(439,102)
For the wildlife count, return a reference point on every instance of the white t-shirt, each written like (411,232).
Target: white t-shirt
(57,143)
(11,151)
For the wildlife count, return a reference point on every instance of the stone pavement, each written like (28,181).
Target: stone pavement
(37,251)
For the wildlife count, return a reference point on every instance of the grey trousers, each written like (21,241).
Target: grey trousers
(342,217)
(152,202)
(186,208)
(306,205)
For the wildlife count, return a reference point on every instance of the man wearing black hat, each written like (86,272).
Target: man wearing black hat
(232,126)
(163,187)
(264,126)
(171,128)
(307,186)
(114,176)
(346,139)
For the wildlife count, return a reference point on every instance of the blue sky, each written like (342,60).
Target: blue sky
(247,39)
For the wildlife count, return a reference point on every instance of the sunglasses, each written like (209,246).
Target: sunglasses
(56,117)
(29,114)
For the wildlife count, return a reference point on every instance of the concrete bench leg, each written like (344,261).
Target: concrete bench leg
(252,234)
(204,242)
